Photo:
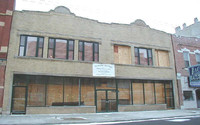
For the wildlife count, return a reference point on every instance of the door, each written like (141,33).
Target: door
(198,97)
(106,101)
(19,100)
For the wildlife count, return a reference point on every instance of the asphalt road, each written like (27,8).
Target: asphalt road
(190,120)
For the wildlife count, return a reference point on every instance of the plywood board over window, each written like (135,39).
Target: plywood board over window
(122,54)
(162,58)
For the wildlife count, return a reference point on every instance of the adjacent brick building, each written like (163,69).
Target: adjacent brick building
(187,53)
(63,63)
(6,12)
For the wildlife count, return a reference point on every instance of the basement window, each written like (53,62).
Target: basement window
(188,96)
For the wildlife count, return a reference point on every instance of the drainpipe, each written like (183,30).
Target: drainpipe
(175,70)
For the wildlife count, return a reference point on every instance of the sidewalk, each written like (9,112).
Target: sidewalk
(94,117)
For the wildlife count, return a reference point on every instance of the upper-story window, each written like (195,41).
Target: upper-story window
(31,46)
(186,58)
(61,49)
(122,54)
(88,51)
(197,58)
(162,58)
(143,56)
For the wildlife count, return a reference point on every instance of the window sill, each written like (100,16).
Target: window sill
(52,59)
(146,66)
(91,62)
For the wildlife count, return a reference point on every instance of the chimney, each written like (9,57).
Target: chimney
(184,25)
(196,20)
(177,29)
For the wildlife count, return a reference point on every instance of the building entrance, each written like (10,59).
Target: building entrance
(19,100)
(106,100)
(198,97)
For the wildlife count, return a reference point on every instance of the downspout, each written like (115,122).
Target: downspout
(175,70)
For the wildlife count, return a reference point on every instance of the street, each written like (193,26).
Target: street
(190,120)
(187,120)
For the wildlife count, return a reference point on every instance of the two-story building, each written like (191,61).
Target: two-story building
(61,63)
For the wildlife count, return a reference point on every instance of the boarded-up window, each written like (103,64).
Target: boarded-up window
(54,91)
(124,94)
(122,54)
(162,58)
(160,93)
(87,92)
(138,93)
(71,92)
(149,93)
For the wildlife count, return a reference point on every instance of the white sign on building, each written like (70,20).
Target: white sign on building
(107,70)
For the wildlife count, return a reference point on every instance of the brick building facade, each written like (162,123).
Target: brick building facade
(6,12)
(187,53)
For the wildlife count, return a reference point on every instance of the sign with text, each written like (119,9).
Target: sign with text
(107,70)
(194,77)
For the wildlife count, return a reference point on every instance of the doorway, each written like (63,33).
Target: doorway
(106,100)
(19,100)
(198,97)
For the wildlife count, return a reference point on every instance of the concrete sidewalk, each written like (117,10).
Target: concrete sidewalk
(94,117)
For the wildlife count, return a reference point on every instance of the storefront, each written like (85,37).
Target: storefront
(33,94)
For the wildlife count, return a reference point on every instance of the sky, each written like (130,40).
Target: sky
(164,15)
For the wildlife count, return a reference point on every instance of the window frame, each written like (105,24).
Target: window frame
(25,45)
(188,54)
(188,93)
(138,55)
(83,50)
(197,54)
(54,48)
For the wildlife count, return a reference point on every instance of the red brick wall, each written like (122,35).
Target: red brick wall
(189,43)
(5,30)
(2,79)
(6,5)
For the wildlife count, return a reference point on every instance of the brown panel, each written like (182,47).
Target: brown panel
(160,93)
(149,93)
(54,94)
(138,97)
(71,92)
(124,54)
(87,92)
(124,92)
(19,99)
(116,55)
(162,58)
(36,95)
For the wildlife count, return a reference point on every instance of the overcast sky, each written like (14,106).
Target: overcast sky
(162,15)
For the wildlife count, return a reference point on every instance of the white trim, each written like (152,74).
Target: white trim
(187,50)
(1,87)
(183,50)
(2,23)
(4,49)
(197,51)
